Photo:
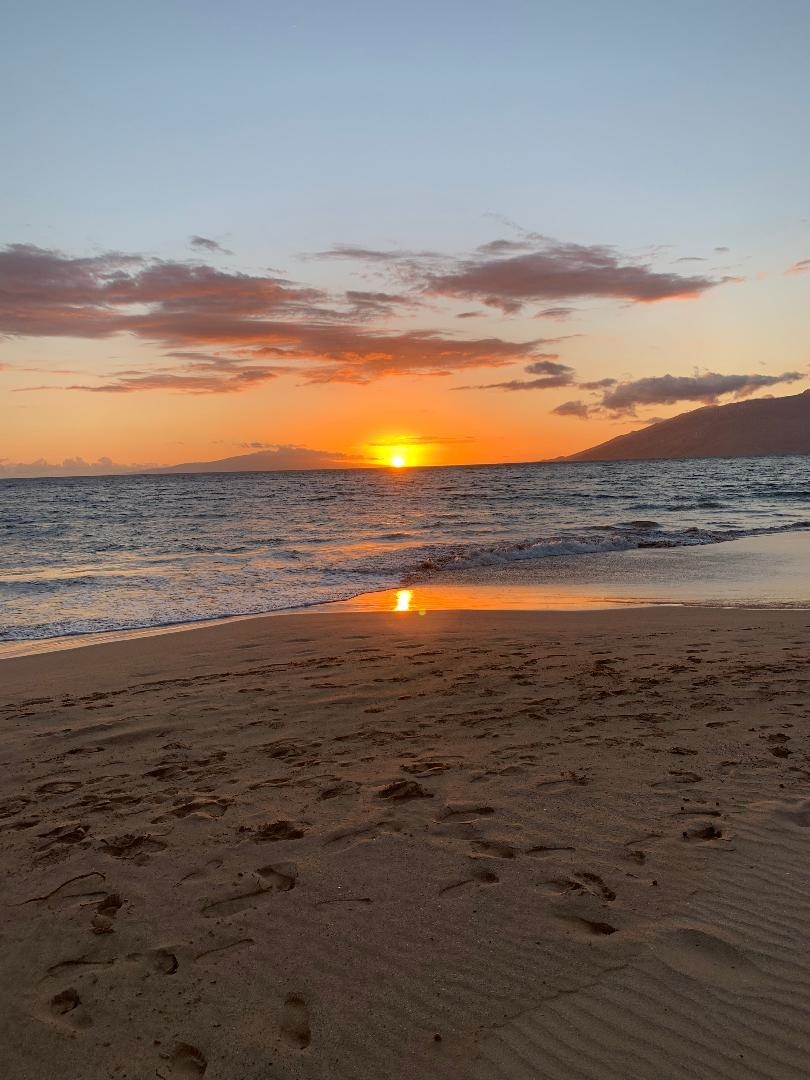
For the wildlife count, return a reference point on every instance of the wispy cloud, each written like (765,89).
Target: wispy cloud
(552,375)
(75,466)
(800,267)
(551,270)
(424,440)
(573,408)
(508,274)
(204,243)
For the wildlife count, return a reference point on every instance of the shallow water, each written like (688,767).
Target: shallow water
(94,554)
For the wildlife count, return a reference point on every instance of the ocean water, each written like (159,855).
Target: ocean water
(89,554)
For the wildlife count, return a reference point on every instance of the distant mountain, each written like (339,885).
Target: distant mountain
(274,459)
(758,428)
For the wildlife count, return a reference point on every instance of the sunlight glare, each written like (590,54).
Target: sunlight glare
(404,597)
(398,461)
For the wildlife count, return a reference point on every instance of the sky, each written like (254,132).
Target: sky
(338,232)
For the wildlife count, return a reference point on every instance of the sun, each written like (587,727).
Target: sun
(398,461)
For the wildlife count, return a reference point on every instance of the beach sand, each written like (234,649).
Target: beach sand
(487,845)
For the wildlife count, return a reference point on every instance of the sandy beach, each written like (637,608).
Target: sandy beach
(464,844)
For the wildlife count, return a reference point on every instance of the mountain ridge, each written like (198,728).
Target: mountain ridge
(764,427)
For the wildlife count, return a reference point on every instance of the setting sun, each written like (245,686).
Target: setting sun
(398,461)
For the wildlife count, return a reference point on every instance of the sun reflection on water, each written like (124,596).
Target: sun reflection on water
(404,597)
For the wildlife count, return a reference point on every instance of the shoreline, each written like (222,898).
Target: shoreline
(762,573)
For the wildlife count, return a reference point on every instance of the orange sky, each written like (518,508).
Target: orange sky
(51,411)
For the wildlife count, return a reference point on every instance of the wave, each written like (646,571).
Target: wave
(628,537)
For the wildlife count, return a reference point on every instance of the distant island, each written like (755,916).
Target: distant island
(762,428)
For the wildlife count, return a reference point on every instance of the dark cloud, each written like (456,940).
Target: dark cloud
(671,389)
(599,384)
(573,408)
(552,375)
(548,365)
(559,271)
(550,383)
(203,243)
(46,294)
(555,313)
(800,267)
(258,322)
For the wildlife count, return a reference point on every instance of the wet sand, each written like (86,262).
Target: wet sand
(758,571)
(464,844)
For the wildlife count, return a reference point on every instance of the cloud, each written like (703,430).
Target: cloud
(552,375)
(255,324)
(573,408)
(558,312)
(197,373)
(551,383)
(203,243)
(424,440)
(369,305)
(599,384)
(364,254)
(548,365)
(558,271)
(269,457)
(75,466)
(800,267)
(671,389)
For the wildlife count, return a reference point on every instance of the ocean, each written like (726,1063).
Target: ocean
(90,554)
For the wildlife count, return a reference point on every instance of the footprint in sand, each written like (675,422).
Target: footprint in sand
(187,1060)
(58,787)
(132,845)
(589,927)
(200,807)
(469,810)
(67,1007)
(581,883)
(494,850)
(158,961)
(404,789)
(703,832)
(481,875)
(279,830)
(269,879)
(294,1023)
